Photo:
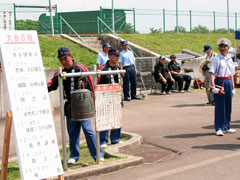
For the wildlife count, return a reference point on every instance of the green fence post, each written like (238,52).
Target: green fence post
(101,15)
(15,19)
(56,19)
(236,25)
(134,20)
(164,25)
(214,21)
(190,21)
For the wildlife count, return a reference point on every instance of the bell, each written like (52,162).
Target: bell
(82,105)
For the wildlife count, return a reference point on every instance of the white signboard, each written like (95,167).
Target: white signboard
(34,131)
(108,107)
(6,20)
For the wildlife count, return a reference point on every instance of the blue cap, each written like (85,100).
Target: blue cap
(63,52)
(106,45)
(114,52)
(207,48)
(124,43)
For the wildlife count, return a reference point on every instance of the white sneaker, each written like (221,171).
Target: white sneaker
(169,93)
(71,161)
(230,131)
(163,93)
(219,133)
(101,159)
(104,145)
(182,91)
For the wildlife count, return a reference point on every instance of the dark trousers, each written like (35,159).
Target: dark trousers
(223,106)
(169,84)
(180,79)
(130,76)
(115,136)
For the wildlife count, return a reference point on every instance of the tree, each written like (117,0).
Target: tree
(200,29)
(181,29)
(27,25)
(128,29)
(224,30)
(152,30)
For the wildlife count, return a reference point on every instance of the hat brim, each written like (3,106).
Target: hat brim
(207,50)
(62,57)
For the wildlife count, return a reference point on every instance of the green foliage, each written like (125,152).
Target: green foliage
(171,43)
(50,44)
(27,25)
(224,30)
(152,30)
(128,29)
(181,29)
(201,29)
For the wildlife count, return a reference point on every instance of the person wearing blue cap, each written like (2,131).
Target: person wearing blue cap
(204,65)
(222,85)
(102,57)
(110,65)
(69,85)
(127,62)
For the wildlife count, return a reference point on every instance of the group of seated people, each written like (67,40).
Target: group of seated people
(168,74)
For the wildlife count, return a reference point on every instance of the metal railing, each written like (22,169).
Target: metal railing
(62,19)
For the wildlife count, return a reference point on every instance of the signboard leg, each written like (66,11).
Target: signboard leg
(98,146)
(60,177)
(6,144)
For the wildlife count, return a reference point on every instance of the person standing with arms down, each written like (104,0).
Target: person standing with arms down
(160,76)
(221,78)
(178,75)
(127,62)
(110,65)
(71,84)
(102,57)
(205,69)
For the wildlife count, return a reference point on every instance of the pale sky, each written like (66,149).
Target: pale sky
(144,22)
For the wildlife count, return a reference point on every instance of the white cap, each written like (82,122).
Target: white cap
(224,41)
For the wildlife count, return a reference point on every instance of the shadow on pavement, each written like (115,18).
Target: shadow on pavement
(232,125)
(231,147)
(189,105)
(190,135)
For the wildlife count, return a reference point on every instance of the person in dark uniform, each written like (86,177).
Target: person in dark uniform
(160,76)
(113,55)
(71,84)
(127,62)
(221,72)
(178,75)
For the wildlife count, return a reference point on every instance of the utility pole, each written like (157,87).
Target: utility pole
(50,8)
(177,28)
(113,23)
(228,16)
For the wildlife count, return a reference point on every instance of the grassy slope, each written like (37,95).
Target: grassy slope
(174,43)
(49,46)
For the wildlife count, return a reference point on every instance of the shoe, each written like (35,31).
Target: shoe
(71,161)
(182,91)
(169,93)
(213,103)
(104,145)
(163,93)
(230,131)
(219,133)
(136,98)
(101,159)
(187,90)
(127,99)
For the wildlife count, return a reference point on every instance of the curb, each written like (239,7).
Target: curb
(114,150)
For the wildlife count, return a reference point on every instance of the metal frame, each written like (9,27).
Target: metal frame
(62,76)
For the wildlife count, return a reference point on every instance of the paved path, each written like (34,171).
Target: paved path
(183,124)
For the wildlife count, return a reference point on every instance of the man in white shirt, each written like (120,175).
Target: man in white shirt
(102,57)
(222,83)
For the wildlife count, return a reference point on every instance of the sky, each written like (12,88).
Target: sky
(144,22)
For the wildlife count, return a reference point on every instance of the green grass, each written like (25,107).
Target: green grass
(49,46)
(85,160)
(174,43)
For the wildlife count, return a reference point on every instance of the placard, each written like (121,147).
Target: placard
(108,107)
(6,20)
(33,125)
